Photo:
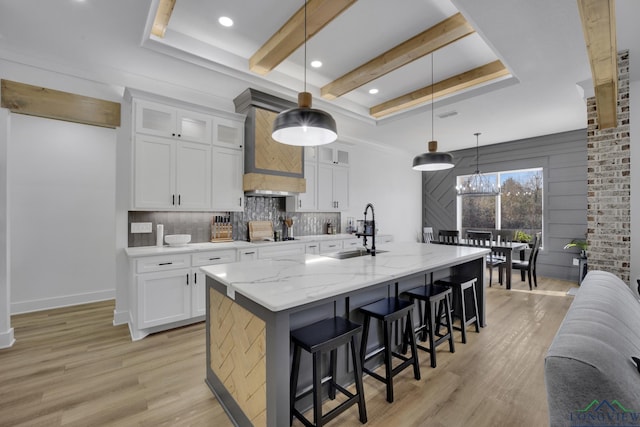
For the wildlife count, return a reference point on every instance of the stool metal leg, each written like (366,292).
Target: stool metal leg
(411,337)
(333,362)
(357,368)
(449,324)
(388,360)
(475,304)
(429,311)
(293,385)
(463,314)
(317,389)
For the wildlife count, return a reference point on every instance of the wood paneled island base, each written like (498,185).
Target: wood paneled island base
(253,306)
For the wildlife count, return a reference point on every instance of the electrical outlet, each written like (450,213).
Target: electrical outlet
(141,227)
(576,261)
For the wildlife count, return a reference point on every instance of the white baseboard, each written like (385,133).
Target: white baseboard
(6,339)
(120,317)
(62,301)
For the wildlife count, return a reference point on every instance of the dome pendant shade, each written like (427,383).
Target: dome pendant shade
(303,125)
(433,161)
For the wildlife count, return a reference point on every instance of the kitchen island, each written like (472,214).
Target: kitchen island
(252,307)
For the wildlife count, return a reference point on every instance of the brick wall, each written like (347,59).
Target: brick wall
(609,184)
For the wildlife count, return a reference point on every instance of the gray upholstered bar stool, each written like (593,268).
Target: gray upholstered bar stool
(321,337)
(460,285)
(388,311)
(437,307)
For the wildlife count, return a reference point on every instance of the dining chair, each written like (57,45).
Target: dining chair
(449,237)
(479,238)
(427,234)
(529,265)
(496,259)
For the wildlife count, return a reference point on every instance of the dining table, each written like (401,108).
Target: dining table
(501,248)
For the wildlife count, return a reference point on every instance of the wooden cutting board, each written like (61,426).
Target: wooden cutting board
(260,231)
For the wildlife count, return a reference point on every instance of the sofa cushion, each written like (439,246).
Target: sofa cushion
(590,356)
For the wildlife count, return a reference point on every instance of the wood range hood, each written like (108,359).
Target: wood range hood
(271,168)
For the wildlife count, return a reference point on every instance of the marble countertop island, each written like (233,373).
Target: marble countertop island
(252,307)
(284,283)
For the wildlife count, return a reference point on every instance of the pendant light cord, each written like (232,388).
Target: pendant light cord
(305,45)
(477,134)
(432,123)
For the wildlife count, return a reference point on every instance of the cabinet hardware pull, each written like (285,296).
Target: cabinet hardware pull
(314,246)
(240,201)
(173,134)
(214,258)
(166,263)
(299,203)
(173,199)
(250,253)
(195,278)
(187,279)
(178,199)
(179,135)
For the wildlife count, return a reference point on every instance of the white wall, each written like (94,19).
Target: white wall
(385,178)
(62,213)
(6,331)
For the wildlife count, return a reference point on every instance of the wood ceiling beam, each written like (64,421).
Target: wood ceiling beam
(476,76)
(291,35)
(599,27)
(446,32)
(163,14)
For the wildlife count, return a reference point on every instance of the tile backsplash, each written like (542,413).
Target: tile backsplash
(198,224)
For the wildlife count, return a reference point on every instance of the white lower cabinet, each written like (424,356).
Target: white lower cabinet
(247,254)
(198,293)
(163,297)
(351,243)
(277,251)
(170,290)
(312,248)
(330,246)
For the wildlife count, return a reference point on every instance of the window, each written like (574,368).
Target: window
(517,207)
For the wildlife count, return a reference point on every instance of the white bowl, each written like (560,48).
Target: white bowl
(177,239)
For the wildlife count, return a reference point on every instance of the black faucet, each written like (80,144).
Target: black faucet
(372,251)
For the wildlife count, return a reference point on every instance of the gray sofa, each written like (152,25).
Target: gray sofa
(589,361)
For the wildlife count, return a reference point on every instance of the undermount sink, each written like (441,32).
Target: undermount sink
(351,254)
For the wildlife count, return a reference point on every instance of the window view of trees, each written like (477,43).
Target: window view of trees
(517,207)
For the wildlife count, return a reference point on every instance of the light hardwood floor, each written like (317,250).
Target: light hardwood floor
(71,367)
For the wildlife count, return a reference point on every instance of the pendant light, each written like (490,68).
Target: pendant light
(303,125)
(432,161)
(478,184)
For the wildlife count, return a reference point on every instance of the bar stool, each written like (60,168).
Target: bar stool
(388,311)
(320,337)
(460,284)
(437,299)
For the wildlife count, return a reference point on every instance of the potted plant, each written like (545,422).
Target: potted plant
(522,237)
(579,244)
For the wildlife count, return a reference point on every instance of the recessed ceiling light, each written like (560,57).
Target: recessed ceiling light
(225,21)
(373,91)
(316,64)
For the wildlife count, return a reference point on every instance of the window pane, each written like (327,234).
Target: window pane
(521,204)
(479,212)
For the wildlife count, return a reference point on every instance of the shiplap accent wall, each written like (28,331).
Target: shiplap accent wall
(562,156)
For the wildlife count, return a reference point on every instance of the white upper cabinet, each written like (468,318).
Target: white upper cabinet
(333,154)
(185,156)
(228,166)
(154,173)
(193,176)
(171,175)
(170,122)
(333,178)
(228,133)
